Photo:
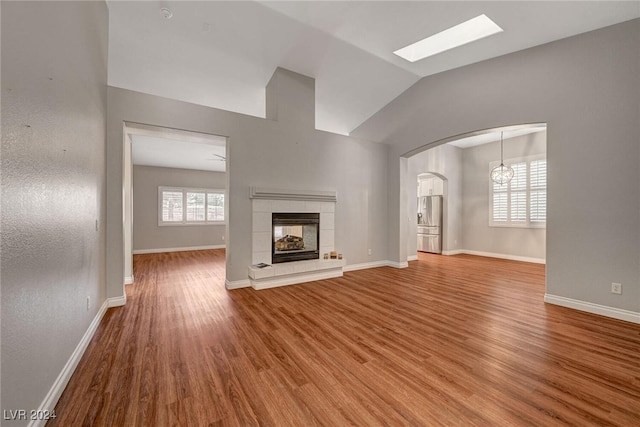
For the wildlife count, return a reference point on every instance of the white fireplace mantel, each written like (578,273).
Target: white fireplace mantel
(282,194)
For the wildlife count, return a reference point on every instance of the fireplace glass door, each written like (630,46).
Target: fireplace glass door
(295,237)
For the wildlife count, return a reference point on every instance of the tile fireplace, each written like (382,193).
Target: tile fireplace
(301,224)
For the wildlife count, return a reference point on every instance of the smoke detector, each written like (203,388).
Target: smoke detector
(166,13)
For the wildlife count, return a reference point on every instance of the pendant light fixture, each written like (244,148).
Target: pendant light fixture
(501,174)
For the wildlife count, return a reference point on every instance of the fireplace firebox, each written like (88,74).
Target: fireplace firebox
(295,237)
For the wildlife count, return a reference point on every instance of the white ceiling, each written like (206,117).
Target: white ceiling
(175,150)
(492,136)
(222,54)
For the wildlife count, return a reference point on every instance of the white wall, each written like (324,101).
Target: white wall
(267,153)
(478,236)
(147,234)
(587,89)
(54,96)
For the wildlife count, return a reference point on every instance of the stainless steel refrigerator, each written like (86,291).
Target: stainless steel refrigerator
(430,224)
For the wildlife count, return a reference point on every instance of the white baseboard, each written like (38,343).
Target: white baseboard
(50,400)
(453,252)
(412,257)
(116,301)
(589,307)
(128,280)
(183,249)
(376,264)
(237,284)
(497,255)
(366,265)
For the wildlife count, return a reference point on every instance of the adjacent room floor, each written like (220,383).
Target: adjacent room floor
(457,340)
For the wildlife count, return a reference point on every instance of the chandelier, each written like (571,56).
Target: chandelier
(501,174)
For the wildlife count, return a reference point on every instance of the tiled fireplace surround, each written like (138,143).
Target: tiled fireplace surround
(267,201)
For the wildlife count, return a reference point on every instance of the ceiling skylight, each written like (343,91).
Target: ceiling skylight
(461,34)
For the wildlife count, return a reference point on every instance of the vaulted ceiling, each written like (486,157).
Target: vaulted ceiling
(222,54)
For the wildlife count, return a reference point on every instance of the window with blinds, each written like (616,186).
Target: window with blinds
(523,201)
(190,206)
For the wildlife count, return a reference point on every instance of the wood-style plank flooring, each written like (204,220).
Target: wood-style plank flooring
(455,341)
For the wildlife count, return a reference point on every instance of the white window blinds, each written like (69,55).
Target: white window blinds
(190,206)
(523,201)
(538,191)
(172,206)
(215,207)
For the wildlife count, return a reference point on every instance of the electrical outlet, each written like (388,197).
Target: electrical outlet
(616,288)
(88,303)
(369,251)
(223,238)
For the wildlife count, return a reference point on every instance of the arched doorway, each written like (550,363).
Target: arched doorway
(464,163)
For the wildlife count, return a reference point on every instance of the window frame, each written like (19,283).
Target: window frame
(528,190)
(184,222)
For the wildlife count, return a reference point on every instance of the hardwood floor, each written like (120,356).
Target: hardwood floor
(458,340)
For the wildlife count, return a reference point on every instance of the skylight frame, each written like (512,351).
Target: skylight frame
(467,32)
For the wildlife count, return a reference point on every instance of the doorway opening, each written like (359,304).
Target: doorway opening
(479,217)
(430,199)
(174,188)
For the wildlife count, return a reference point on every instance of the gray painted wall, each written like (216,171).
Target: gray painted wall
(54,94)
(477,235)
(147,234)
(266,153)
(587,89)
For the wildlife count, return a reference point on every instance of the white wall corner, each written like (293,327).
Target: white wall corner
(128,280)
(51,398)
(589,307)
